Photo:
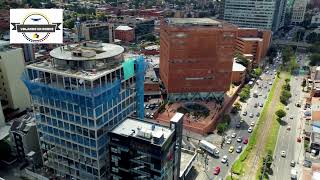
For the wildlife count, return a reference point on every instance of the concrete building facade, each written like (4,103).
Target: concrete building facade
(78,96)
(196,57)
(14,94)
(98,32)
(315,21)
(255,14)
(298,11)
(144,150)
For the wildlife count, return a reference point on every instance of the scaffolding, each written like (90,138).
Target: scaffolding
(140,65)
(92,97)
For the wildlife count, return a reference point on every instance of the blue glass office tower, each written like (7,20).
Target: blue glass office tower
(78,95)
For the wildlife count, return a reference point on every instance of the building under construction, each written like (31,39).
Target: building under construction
(78,95)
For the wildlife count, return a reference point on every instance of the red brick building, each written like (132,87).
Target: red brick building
(124,33)
(4,19)
(253,41)
(196,57)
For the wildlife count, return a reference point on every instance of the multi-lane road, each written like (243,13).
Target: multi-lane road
(287,139)
(263,89)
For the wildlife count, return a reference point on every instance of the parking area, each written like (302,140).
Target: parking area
(151,106)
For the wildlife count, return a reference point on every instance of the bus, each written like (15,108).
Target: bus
(212,149)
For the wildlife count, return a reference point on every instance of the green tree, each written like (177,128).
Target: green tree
(315,59)
(5,150)
(221,127)
(304,83)
(241,59)
(313,37)
(287,53)
(315,48)
(280,113)
(258,71)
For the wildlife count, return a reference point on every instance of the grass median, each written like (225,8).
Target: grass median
(239,165)
(274,131)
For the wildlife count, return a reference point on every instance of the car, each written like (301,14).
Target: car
(252,123)
(250,130)
(244,113)
(270,83)
(245,141)
(238,125)
(228,141)
(287,108)
(289,128)
(255,105)
(283,153)
(292,163)
(239,149)
(147,106)
(307,163)
(233,135)
(239,139)
(251,115)
(216,152)
(216,170)
(258,114)
(147,114)
(265,96)
(241,120)
(291,117)
(231,149)
(260,104)
(224,159)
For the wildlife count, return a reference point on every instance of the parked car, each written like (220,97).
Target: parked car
(292,163)
(251,115)
(258,114)
(250,130)
(252,123)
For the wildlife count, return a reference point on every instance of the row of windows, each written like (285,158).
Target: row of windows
(69,136)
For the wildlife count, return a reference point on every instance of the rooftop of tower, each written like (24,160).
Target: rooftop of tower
(86,51)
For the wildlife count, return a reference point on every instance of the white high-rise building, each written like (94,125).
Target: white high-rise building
(298,11)
(13,92)
(264,14)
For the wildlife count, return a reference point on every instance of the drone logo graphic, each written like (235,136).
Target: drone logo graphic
(36,27)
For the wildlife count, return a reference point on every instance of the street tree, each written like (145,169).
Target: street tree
(281,113)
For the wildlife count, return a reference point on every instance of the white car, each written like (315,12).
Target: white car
(233,135)
(251,115)
(224,159)
(250,130)
(229,141)
(252,123)
(283,153)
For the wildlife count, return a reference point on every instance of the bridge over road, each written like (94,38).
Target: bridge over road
(291,43)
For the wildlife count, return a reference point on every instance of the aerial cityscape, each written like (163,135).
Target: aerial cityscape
(160,90)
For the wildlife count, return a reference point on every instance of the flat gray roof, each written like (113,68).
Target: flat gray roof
(193,21)
(252,39)
(130,126)
(105,51)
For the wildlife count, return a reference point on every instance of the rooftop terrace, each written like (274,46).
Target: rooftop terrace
(143,129)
